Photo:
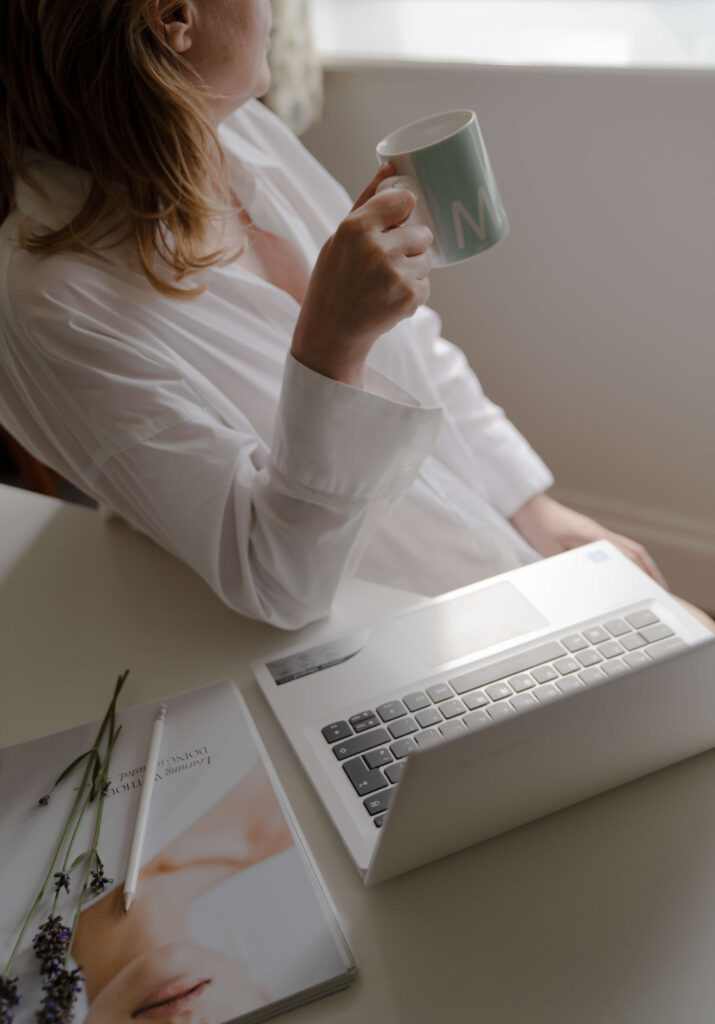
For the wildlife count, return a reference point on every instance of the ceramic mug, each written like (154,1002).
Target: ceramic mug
(443,161)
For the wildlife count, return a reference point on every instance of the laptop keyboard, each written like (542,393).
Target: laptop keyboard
(371,745)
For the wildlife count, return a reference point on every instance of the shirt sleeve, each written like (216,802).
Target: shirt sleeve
(271,528)
(509,470)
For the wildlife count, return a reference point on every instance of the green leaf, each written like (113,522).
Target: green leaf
(71,767)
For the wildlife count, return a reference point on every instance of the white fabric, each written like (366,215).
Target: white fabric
(190,419)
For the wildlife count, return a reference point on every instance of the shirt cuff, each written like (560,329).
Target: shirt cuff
(520,476)
(355,443)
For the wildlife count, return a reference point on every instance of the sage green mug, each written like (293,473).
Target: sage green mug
(442,159)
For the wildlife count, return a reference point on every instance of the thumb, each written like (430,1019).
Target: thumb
(385,171)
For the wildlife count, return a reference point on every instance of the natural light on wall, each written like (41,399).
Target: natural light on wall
(606,33)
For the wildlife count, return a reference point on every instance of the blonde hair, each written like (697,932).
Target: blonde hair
(93,83)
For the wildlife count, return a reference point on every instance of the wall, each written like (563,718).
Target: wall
(593,323)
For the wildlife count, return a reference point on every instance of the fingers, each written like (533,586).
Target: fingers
(420,266)
(368,192)
(638,554)
(699,614)
(387,209)
(412,239)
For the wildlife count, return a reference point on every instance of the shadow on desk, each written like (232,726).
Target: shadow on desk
(82,596)
(592,915)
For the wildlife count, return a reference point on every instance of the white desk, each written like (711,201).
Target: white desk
(602,914)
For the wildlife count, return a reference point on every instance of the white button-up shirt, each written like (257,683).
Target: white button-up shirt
(190,419)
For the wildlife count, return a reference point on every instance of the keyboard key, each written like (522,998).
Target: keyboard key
(358,744)
(430,716)
(617,627)
(477,719)
(589,657)
(391,709)
(591,675)
(523,701)
(508,666)
(452,728)
(415,701)
(547,692)
(615,667)
(393,772)
(610,649)
(636,659)
(336,731)
(378,803)
(545,674)
(497,711)
(476,699)
(522,682)
(378,820)
(452,708)
(376,758)
(498,691)
(365,780)
(574,642)
(568,684)
(633,641)
(440,691)
(645,617)
(402,727)
(403,747)
(564,666)
(595,635)
(665,647)
(657,632)
(427,738)
(364,720)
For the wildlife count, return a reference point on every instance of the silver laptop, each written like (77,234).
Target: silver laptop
(482,709)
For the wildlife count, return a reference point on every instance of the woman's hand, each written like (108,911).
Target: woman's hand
(551,528)
(372,273)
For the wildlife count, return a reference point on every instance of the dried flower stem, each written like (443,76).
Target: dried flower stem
(50,871)
(93,765)
(101,789)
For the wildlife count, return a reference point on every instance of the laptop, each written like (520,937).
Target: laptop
(477,711)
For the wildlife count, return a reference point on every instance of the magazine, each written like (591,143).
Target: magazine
(231,921)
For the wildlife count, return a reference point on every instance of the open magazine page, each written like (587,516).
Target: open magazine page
(227,922)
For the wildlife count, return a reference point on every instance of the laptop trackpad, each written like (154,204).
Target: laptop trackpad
(464,625)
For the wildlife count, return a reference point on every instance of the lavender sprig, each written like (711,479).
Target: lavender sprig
(99,880)
(61,990)
(9,998)
(50,944)
(53,942)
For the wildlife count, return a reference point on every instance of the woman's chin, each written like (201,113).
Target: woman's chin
(177,981)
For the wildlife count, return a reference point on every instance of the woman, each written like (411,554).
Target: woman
(188,308)
(148,964)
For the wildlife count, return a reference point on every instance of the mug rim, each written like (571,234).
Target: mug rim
(384,143)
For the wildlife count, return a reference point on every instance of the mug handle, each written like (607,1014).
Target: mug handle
(399,181)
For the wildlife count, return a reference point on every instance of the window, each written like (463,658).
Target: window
(609,33)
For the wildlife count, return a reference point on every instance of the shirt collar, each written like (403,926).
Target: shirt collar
(60,193)
(66,188)
(62,189)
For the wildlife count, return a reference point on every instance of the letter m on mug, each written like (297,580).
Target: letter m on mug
(462,218)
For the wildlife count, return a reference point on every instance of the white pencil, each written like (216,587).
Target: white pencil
(135,852)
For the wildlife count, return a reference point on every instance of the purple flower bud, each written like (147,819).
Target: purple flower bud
(50,944)
(60,991)
(62,881)
(9,998)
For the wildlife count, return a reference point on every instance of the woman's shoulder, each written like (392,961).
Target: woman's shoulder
(57,284)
